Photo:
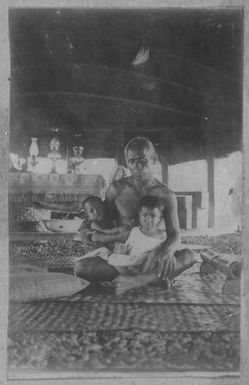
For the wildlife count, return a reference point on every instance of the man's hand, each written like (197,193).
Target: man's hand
(166,264)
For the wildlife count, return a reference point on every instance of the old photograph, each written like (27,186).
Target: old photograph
(125,190)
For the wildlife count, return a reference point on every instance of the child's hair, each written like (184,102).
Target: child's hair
(151,202)
(92,199)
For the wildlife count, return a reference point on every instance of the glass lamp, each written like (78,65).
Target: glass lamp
(33,152)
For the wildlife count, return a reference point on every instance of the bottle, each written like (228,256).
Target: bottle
(228,264)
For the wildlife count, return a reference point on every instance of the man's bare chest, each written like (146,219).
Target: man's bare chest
(127,200)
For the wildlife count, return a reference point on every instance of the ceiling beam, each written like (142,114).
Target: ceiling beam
(133,73)
(109,98)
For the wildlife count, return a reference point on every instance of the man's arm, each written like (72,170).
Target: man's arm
(165,255)
(110,196)
(170,216)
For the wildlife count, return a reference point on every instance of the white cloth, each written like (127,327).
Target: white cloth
(101,252)
(138,247)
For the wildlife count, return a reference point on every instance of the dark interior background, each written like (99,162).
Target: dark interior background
(71,70)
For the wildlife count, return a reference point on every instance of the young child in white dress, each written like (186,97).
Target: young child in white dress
(142,239)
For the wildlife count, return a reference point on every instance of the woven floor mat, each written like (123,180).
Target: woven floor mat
(60,262)
(69,316)
(55,254)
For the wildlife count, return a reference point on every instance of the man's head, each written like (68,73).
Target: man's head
(94,208)
(140,156)
(150,212)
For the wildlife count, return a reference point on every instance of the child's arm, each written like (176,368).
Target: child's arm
(107,238)
(95,226)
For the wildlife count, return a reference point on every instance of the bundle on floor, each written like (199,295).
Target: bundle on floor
(28,283)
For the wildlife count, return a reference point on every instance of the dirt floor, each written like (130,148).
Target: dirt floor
(190,327)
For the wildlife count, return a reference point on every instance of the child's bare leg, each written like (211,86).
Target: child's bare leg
(184,259)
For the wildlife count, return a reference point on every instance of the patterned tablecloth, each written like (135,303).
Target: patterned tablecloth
(54,187)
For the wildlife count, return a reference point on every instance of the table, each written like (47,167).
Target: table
(28,187)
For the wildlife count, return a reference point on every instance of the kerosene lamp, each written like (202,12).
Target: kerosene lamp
(33,152)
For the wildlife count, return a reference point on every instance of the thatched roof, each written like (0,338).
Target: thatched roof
(72,70)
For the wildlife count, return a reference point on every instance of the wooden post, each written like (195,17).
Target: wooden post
(67,155)
(165,168)
(120,120)
(209,128)
(164,155)
(211,192)
(120,145)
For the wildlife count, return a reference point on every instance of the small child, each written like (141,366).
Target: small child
(97,220)
(140,241)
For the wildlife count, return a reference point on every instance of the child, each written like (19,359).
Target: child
(97,221)
(142,239)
